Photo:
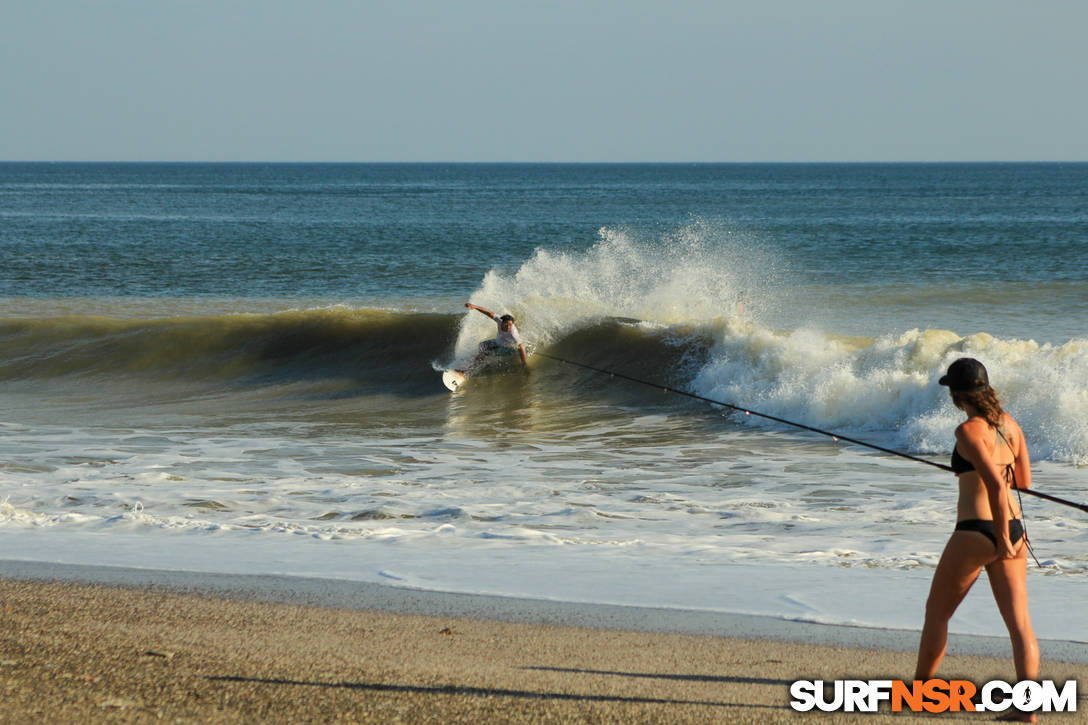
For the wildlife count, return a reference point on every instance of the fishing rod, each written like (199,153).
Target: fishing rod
(802,426)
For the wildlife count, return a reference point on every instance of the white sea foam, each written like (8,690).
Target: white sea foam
(703,281)
(890,384)
(621,511)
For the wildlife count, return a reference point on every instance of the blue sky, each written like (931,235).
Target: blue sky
(569,80)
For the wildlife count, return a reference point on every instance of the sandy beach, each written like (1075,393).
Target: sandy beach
(82,652)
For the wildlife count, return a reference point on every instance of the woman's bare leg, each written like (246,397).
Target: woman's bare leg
(964,556)
(1008,581)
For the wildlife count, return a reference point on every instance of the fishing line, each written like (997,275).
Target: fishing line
(802,426)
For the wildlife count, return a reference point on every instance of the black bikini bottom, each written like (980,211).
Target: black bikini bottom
(986,528)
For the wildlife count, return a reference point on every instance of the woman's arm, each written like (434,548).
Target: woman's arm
(1022,464)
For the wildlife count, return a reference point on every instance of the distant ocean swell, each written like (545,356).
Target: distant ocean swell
(884,387)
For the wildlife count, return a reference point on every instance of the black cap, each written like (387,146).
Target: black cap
(966,375)
(504,318)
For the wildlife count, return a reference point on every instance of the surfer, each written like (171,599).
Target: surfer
(506,342)
(989,459)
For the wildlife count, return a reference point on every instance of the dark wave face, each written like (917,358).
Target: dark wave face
(377,351)
(243,348)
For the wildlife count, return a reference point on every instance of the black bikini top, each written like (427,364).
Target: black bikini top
(959,464)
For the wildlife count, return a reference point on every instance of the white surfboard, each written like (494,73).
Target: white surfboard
(453,379)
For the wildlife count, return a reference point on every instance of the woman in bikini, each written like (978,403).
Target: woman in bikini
(989,458)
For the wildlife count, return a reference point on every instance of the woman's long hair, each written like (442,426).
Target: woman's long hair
(984,401)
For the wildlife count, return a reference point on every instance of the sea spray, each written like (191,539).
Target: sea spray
(701,271)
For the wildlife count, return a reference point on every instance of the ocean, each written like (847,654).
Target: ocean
(235,368)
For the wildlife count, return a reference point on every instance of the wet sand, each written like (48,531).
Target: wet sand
(79,652)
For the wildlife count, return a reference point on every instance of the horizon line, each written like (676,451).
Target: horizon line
(539,163)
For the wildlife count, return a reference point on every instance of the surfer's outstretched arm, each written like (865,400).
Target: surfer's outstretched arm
(484,310)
